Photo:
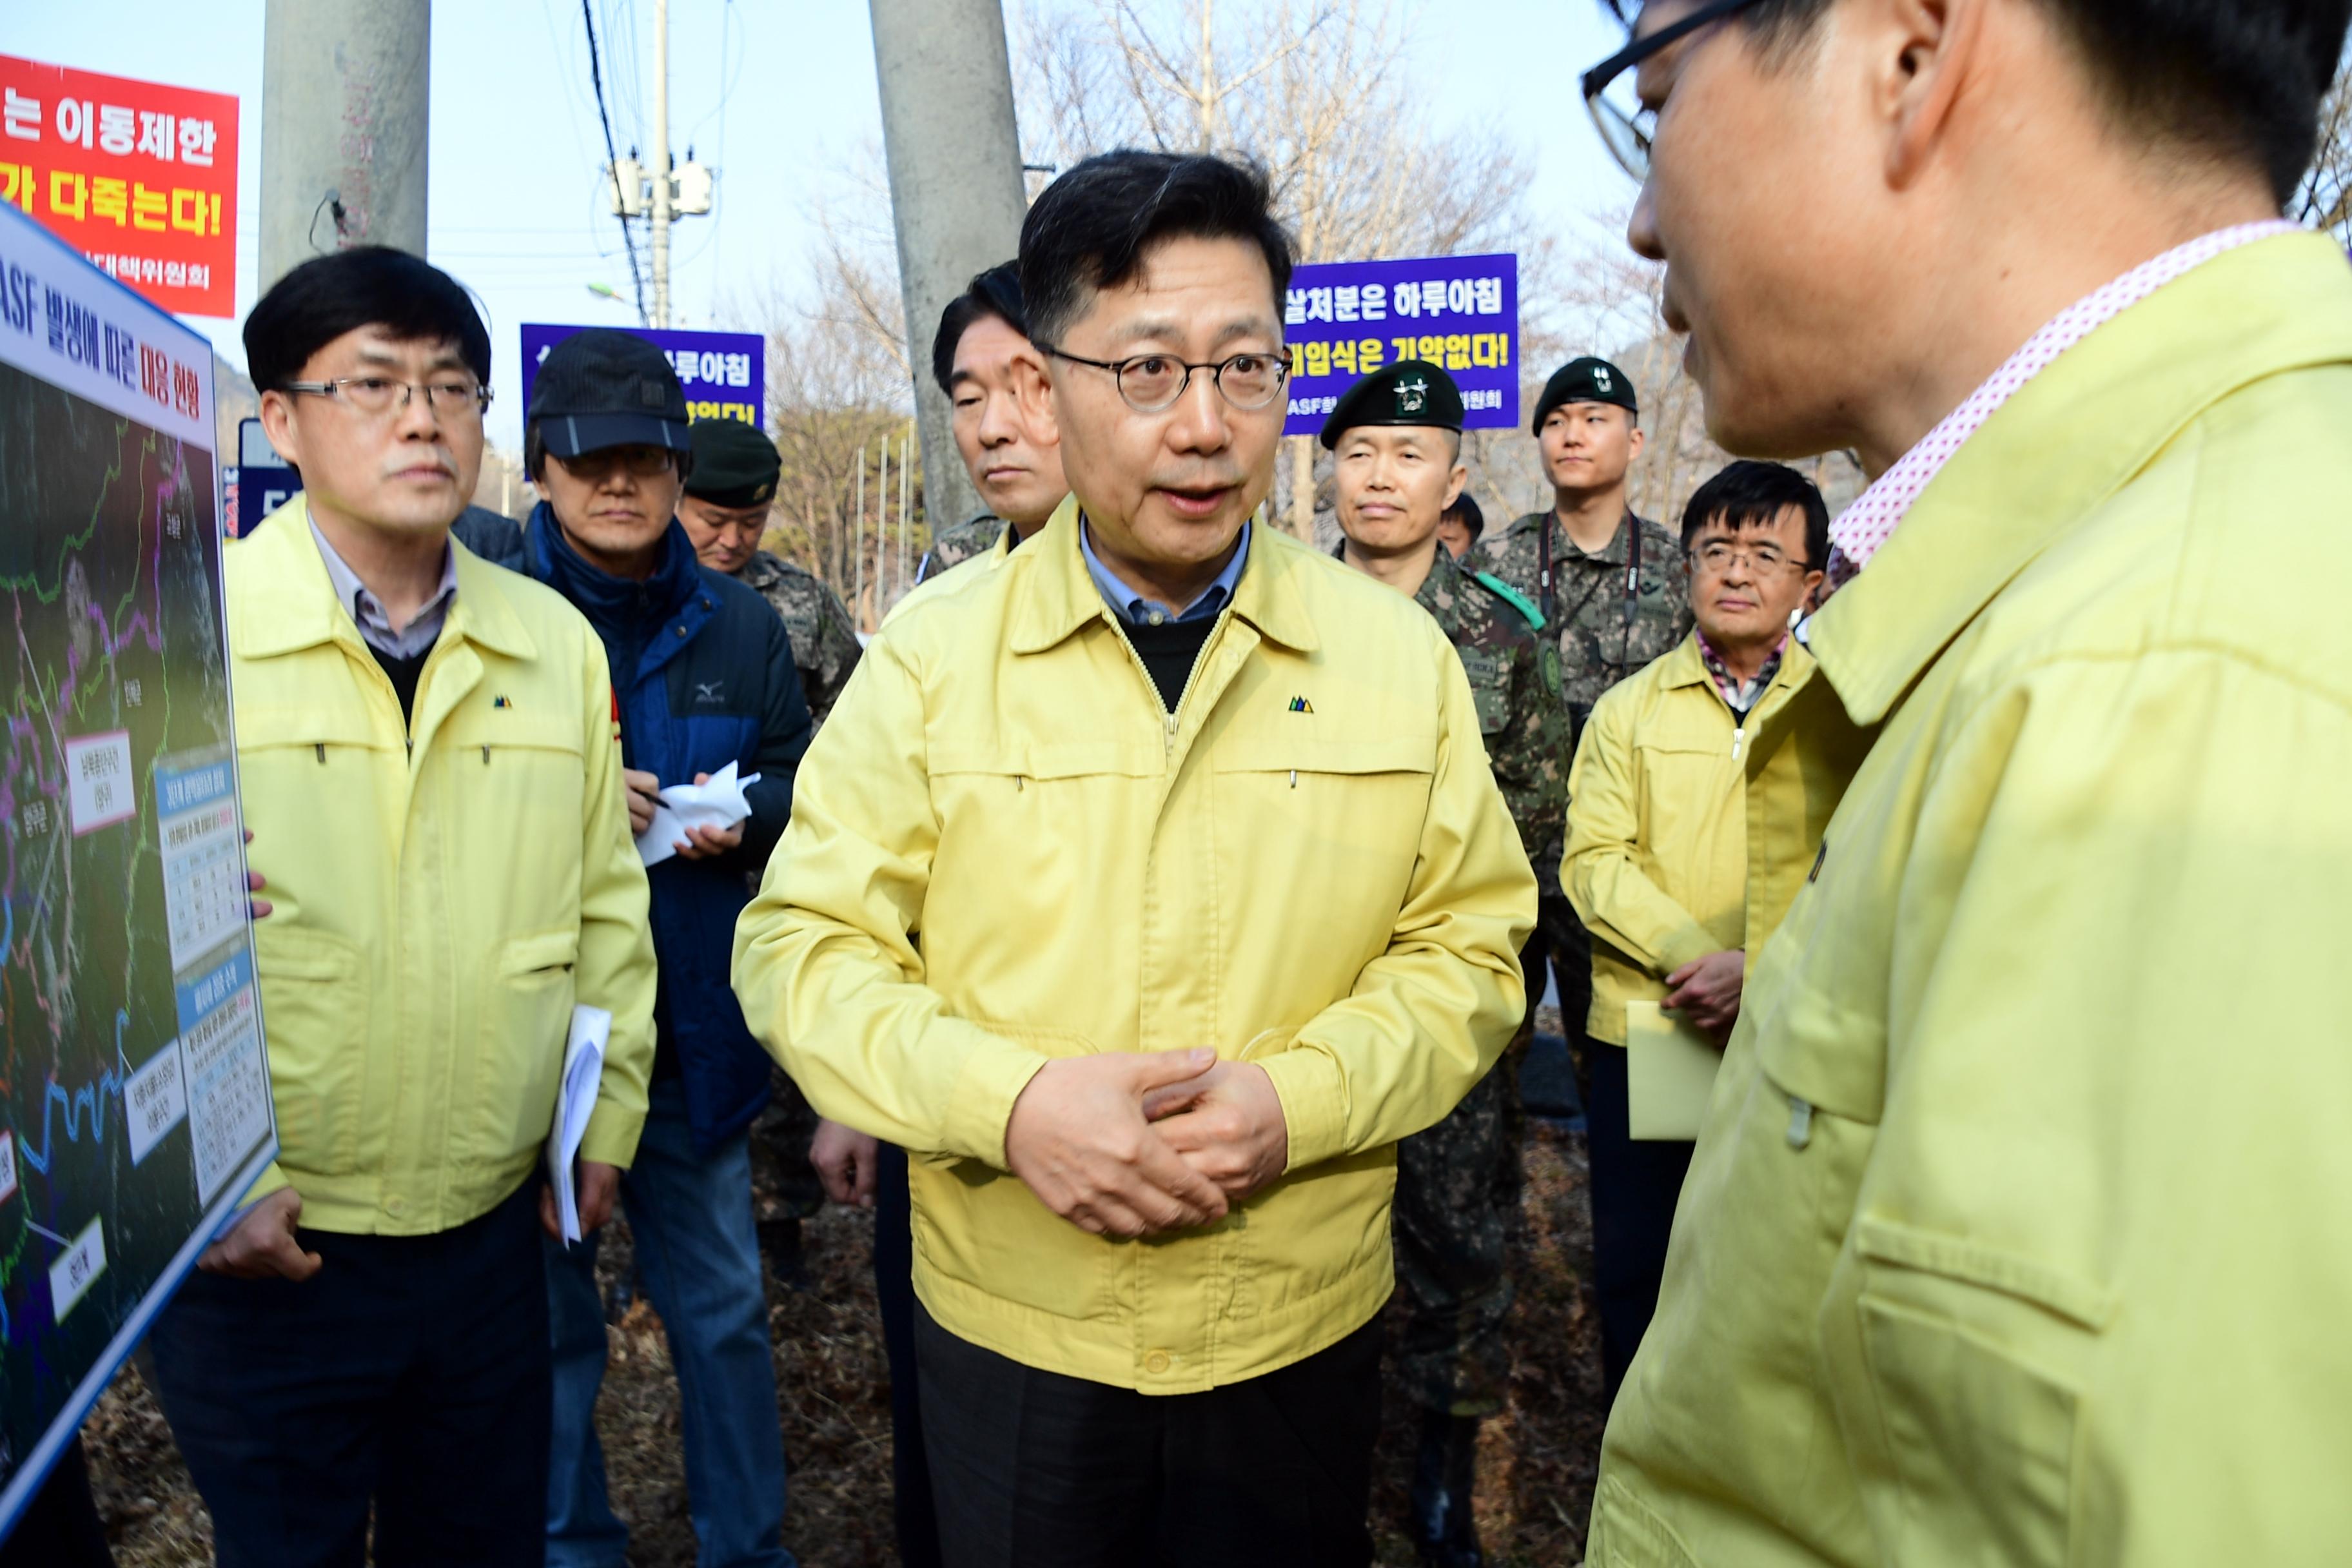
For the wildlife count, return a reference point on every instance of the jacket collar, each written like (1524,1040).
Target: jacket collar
(1054,595)
(2068,440)
(293,604)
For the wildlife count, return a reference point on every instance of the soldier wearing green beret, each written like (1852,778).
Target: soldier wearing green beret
(1614,591)
(1396,444)
(725,511)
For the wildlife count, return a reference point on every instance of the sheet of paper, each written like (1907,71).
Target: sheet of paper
(575,1099)
(1669,1073)
(719,803)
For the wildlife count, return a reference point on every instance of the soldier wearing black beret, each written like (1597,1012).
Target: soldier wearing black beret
(725,509)
(1614,588)
(1396,443)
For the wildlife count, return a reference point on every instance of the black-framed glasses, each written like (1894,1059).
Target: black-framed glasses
(449,396)
(1152,383)
(1626,132)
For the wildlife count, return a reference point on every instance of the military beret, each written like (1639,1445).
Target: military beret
(1586,379)
(734,464)
(1409,392)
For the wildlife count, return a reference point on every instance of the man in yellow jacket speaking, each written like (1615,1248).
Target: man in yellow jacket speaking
(1149,886)
(2015,1231)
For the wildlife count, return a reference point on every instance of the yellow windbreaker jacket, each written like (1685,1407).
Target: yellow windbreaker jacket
(1004,849)
(444,891)
(2016,1232)
(1670,797)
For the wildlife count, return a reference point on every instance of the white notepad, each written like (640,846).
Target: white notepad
(1669,1073)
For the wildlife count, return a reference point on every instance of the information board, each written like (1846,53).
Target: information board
(135,1095)
(138,176)
(1346,318)
(725,374)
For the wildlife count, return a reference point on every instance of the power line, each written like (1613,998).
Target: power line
(612,159)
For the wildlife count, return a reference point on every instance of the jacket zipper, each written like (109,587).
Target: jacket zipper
(1738,739)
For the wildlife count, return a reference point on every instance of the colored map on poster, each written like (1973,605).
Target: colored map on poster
(134,1098)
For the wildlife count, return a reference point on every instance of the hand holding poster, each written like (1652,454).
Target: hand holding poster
(1346,318)
(135,1097)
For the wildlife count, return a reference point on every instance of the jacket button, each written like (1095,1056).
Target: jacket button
(681,631)
(1156,1362)
(393,1205)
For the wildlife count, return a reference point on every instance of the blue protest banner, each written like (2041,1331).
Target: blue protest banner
(1346,318)
(725,374)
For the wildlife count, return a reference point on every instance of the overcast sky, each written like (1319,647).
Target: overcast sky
(771,93)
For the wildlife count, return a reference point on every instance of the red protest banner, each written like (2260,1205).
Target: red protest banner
(139,177)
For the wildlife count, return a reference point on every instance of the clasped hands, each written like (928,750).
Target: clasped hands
(1131,1145)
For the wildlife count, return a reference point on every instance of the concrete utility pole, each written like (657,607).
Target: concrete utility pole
(956,196)
(661,162)
(343,105)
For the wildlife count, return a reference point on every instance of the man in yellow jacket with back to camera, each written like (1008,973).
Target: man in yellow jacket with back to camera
(2015,1233)
(1216,900)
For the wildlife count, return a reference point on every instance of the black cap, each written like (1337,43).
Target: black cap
(1586,379)
(734,464)
(604,388)
(1409,392)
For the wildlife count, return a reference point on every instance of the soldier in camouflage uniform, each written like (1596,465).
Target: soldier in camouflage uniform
(963,542)
(724,512)
(1614,608)
(1396,440)
(980,357)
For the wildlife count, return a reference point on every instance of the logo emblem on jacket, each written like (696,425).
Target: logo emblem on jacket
(706,691)
(1300,705)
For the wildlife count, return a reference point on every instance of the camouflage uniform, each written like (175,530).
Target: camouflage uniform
(1459,1183)
(1603,640)
(954,545)
(825,639)
(825,649)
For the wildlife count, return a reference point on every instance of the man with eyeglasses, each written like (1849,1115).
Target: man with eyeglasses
(1681,801)
(425,748)
(1216,901)
(703,673)
(2014,1230)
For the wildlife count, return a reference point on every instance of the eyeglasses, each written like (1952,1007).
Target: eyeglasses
(1626,132)
(643,462)
(376,394)
(1714,558)
(1152,383)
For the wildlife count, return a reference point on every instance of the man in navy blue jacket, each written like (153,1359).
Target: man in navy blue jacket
(702,677)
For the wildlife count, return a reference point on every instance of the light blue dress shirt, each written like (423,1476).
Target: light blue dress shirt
(1133,608)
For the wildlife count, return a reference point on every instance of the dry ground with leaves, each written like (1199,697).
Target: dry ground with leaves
(1536,1467)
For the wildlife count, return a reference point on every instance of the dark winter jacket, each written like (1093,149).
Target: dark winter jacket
(703,675)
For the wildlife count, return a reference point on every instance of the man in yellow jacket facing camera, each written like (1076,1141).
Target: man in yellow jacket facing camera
(1216,900)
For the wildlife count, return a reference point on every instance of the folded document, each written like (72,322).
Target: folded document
(575,1099)
(716,803)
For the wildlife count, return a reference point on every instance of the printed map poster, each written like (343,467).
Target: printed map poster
(725,374)
(1345,320)
(134,1096)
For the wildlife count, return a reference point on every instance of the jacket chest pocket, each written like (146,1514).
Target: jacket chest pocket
(1490,688)
(516,794)
(1336,819)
